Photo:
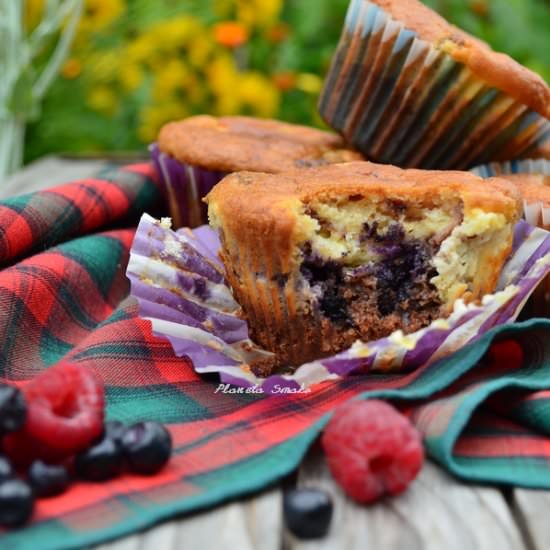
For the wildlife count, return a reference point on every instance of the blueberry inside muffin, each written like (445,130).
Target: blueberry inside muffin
(318,260)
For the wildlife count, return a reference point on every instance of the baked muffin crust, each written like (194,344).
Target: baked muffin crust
(497,69)
(235,143)
(532,187)
(262,199)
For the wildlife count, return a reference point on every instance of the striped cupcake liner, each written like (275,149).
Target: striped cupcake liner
(534,213)
(184,187)
(180,285)
(400,100)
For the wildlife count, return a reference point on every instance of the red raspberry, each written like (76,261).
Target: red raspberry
(372,449)
(65,413)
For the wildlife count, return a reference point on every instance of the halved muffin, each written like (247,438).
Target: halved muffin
(320,258)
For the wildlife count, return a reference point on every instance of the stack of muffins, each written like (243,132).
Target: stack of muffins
(323,247)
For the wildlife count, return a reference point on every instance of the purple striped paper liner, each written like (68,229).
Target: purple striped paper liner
(217,339)
(401,100)
(184,186)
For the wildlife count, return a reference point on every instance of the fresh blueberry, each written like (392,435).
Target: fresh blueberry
(307,512)
(6,469)
(114,429)
(48,480)
(147,447)
(13,409)
(103,460)
(16,502)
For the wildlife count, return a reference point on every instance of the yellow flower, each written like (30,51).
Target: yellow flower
(173,76)
(222,74)
(181,36)
(195,91)
(259,94)
(71,68)
(236,91)
(99,14)
(103,66)
(258,12)
(33,10)
(176,32)
(130,76)
(309,82)
(222,81)
(200,49)
(224,8)
(152,117)
(140,49)
(102,99)
(252,13)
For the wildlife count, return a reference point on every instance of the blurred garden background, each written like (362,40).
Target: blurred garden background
(135,64)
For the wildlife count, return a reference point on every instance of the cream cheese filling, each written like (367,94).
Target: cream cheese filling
(480,238)
(335,231)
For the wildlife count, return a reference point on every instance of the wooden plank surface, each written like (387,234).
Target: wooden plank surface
(251,524)
(532,512)
(437,513)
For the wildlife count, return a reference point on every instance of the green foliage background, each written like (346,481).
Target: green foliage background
(68,123)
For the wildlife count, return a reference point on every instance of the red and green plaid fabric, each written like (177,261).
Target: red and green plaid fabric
(484,415)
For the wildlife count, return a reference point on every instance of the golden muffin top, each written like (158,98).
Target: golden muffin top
(268,201)
(231,144)
(532,187)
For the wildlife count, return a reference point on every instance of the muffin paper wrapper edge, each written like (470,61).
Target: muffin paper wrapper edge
(184,187)
(179,283)
(400,100)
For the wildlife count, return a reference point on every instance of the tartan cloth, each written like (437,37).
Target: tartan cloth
(484,412)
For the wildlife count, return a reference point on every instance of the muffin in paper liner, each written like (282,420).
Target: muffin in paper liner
(535,212)
(179,283)
(193,154)
(399,99)
(184,186)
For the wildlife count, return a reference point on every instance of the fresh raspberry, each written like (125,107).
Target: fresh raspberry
(65,413)
(505,355)
(372,450)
